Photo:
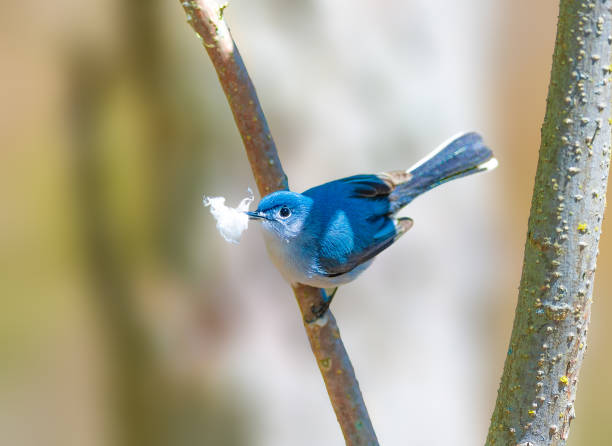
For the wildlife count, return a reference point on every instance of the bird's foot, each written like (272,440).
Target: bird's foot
(329,297)
(319,310)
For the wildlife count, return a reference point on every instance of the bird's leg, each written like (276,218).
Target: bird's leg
(329,297)
(319,310)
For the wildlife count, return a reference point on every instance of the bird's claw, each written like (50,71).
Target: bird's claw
(319,310)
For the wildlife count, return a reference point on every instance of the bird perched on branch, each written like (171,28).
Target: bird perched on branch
(328,235)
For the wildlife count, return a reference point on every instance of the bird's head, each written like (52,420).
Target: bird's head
(283,213)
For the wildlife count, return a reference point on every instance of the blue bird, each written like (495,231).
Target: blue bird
(328,235)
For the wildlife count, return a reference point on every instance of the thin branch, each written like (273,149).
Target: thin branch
(535,403)
(206,18)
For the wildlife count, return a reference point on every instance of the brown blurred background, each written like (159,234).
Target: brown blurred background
(127,320)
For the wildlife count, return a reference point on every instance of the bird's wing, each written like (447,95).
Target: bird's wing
(331,264)
(371,186)
(341,250)
(364,186)
(361,227)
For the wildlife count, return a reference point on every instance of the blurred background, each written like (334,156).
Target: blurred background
(127,320)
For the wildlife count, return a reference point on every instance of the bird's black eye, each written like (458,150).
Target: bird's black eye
(284,212)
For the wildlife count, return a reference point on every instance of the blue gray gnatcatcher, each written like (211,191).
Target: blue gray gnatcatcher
(328,235)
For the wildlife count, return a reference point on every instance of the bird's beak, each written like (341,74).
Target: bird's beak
(255,215)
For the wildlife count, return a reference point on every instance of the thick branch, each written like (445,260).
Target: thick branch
(535,403)
(206,18)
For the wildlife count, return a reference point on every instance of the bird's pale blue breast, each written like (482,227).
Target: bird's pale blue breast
(350,222)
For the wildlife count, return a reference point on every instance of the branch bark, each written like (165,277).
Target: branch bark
(206,18)
(535,402)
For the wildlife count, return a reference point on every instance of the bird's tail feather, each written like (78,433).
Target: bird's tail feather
(463,155)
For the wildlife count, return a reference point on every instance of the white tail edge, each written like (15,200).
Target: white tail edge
(489,164)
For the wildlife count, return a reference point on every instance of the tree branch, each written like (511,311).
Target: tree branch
(206,18)
(535,402)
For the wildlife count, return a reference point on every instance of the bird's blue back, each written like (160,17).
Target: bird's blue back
(352,219)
